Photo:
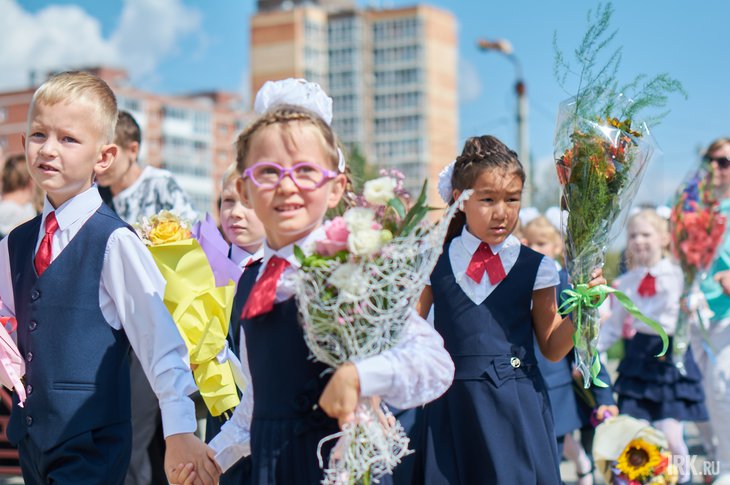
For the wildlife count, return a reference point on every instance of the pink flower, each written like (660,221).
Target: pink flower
(336,240)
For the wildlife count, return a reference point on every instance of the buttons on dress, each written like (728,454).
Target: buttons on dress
(29,389)
(34,295)
(32,325)
(29,356)
(515,362)
(28,420)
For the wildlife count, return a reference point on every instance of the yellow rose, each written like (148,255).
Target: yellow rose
(168,231)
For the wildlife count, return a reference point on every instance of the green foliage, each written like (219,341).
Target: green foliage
(598,85)
(360,169)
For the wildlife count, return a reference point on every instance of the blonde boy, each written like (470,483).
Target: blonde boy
(83,288)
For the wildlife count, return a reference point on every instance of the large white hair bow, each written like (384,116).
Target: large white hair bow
(297,92)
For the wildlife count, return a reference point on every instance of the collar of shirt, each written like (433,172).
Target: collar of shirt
(70,216)
(285,287)
(663,266)
(460,253)
(242,257)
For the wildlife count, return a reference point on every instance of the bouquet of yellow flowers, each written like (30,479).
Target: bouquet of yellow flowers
(627,451)
(601,152)
(200,308)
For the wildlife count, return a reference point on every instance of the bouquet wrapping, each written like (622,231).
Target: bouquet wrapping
(200,307)
(627,451)
(600,162)
(355,295)
(12,364)
(697,229)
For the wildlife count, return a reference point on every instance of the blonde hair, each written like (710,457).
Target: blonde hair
(716,145)
(73,86)
(285,114)
(229,175)
(540,224)
(657,222)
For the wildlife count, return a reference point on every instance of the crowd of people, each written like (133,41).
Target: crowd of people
(485,361)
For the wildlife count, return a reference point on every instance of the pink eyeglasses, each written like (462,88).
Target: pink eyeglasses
(305,175)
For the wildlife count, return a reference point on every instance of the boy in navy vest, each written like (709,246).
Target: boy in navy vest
(83,288)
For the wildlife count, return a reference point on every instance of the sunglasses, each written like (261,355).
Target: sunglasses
(722,162)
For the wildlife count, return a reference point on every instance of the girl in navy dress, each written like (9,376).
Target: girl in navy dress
(292,173)
(490,296)
(649,387)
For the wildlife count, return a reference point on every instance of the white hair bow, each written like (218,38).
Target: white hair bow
(297,92)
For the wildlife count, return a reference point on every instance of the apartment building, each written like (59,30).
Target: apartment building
(391,74)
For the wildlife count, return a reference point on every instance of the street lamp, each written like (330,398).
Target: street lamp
(523,142)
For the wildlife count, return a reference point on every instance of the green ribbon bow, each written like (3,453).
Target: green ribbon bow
(581,296)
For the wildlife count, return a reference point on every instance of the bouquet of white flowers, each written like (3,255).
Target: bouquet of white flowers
(354,295)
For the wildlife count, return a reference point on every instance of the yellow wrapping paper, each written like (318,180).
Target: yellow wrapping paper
(202,313)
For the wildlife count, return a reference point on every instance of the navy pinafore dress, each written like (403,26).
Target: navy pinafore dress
(494,425)
(285,428)
(652,388)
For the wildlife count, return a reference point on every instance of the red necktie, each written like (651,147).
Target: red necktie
(45,250)
(484,260)
(647,287)
(261,298)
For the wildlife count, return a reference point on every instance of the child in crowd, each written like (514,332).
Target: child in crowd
(492,297)
(649,387)
(292,173)
(134,192)
(246,234)
(568,409)
(83,288)
(18,191)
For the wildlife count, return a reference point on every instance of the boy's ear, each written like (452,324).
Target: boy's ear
(242,192)
(339,184)
(107,155)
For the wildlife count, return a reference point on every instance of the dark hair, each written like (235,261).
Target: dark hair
(127,130)
(15,175)
(480,153)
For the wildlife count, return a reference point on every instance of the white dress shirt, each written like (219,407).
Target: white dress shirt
(414,372)
(463,247)
(131,298)
(242,257)
(663,307)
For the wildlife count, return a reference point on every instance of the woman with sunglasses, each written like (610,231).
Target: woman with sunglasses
(716,367)
(292,173)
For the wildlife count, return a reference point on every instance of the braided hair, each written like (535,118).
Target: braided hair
(480,153)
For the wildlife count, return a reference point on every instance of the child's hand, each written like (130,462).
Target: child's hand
(605,411)
(723,277)
(339,398)
(182,475)
(597,278)
(187,448)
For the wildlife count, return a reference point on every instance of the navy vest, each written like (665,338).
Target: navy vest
(77,365)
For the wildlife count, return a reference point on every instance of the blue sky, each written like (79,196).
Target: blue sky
(175,46)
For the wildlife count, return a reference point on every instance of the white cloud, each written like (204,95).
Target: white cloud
(62,37)
(470,86)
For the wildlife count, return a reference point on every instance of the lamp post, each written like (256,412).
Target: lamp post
(523,140)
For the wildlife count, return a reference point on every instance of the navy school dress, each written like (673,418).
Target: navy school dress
(287,383)
(652,388)
(494,424)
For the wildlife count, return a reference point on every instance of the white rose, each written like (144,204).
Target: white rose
(380,191)
(365,241)
(348,278)
(359,218)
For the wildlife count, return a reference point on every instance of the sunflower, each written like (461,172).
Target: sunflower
(638,459)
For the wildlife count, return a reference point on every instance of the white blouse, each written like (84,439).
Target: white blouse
(412,373)
(663,307)
(462,249)
(242,257)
